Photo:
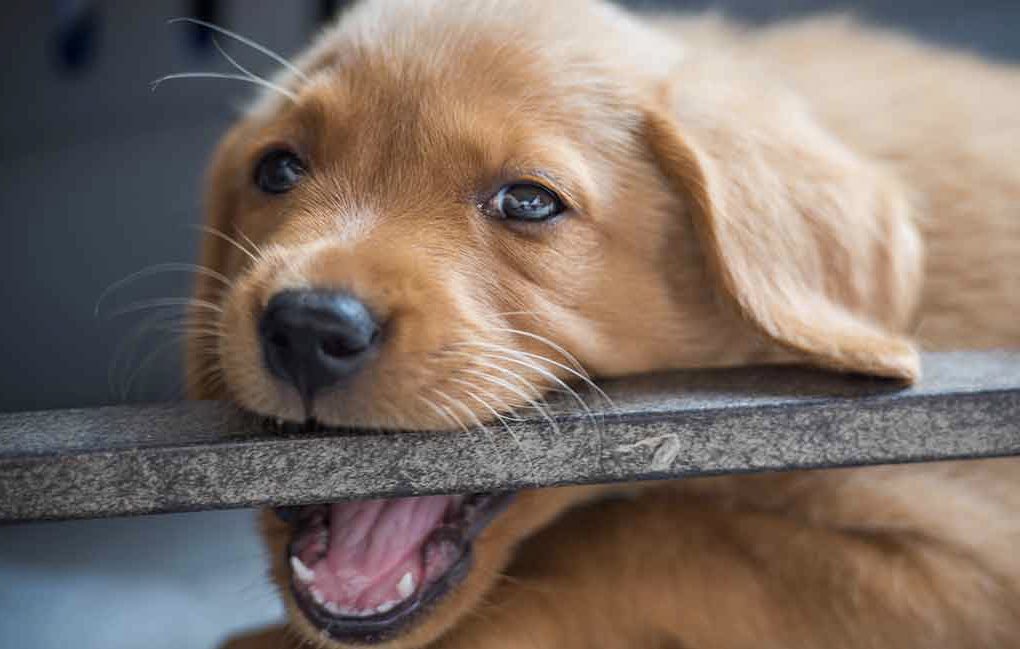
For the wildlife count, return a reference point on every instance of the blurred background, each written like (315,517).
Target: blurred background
(100,178)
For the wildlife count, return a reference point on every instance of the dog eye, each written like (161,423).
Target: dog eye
(279,171)
(527,202)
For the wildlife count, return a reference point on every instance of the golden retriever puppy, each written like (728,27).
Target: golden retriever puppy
(447,202)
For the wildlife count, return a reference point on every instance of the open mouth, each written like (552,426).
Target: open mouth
(363,571)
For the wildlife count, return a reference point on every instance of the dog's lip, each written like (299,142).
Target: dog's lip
(282,426)
(384,626)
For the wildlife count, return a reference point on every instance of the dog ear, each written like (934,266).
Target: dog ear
(815,246)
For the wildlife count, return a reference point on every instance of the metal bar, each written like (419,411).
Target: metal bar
(188,456)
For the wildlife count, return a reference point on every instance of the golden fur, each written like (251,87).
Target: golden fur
(813,192)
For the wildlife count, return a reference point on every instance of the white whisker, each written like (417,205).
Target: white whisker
(570,358)
(223,75)
(500,314)
(149,358)
(504,406)
(580,375)
(514,389)
(125,348)
(453,417)
(233,62)
(248,73)
(502,420)
(247,41)
(159,321)
(456,403)
(155,270)
(596,420)
(156,303)
(181,333)
(225,237)
(254,246)
(435,408)
(544,372)
(535,393)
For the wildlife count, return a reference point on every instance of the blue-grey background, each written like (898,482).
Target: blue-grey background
(99,177)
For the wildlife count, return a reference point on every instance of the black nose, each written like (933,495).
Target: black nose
(312,339)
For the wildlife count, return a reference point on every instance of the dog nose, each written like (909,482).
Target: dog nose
(314,338)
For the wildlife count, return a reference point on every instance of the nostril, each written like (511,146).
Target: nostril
(279,341)
(341,346)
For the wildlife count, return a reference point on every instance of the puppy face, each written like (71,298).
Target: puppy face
(457,209)
(410,196)
(410,201)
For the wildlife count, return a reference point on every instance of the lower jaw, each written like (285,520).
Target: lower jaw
(387,626)
(403,617)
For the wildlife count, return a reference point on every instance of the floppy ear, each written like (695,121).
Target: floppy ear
(814,245)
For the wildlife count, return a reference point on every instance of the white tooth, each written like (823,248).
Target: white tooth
(332,607)
(366,613)
(386,607)
(301,571)
(406,585)
(347,612)
(318,597)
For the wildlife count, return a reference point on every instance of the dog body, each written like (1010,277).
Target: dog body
(813,192)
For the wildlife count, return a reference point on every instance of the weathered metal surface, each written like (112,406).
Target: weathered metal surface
(145,459)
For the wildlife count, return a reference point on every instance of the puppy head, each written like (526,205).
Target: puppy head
(436,184)
(460,202)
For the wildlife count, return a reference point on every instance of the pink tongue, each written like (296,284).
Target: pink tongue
(373,544)
(371,537)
